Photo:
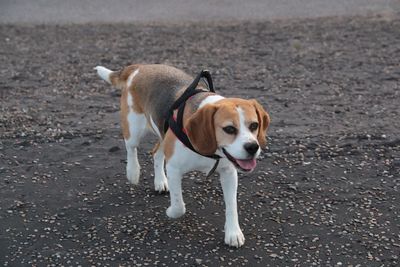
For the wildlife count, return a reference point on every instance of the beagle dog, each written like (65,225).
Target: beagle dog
(232,128)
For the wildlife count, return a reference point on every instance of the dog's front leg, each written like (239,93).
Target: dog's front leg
(229,182)
(177,208)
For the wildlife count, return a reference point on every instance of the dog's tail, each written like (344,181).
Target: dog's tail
(112,77)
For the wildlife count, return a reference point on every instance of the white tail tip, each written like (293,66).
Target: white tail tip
(104,73)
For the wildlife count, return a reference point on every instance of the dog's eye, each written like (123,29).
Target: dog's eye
(230,130)
(253,126)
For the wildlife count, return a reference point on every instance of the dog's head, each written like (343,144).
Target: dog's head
(234,127)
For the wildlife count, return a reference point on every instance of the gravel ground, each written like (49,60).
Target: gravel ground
(325,193)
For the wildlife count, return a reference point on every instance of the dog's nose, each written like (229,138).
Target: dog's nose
(251,148)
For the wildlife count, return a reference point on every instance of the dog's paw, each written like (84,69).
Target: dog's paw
(234,237)
(175,213)
(133,174)
(161,185)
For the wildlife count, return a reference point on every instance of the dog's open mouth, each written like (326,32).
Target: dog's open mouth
(246,165)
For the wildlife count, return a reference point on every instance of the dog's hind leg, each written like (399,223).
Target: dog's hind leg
(160,180)
(133,128)
(137,127)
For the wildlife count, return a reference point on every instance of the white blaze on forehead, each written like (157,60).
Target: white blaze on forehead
(130,78)
(244,132)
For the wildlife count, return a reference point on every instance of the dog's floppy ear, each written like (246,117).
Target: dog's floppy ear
(263,120)
(201,130)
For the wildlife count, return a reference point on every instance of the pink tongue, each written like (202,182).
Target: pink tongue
(247,164)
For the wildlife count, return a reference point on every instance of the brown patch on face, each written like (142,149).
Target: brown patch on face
(250,114)
(169,145)
(226,115)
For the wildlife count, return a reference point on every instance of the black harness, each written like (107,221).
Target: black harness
(176,125)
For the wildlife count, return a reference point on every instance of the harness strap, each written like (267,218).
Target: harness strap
(213,168)
(176,126)
(190,91)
